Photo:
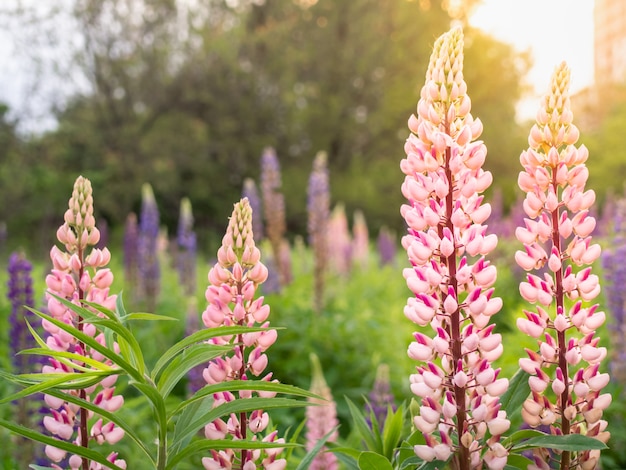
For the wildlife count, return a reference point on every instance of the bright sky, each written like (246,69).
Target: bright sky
(553,30)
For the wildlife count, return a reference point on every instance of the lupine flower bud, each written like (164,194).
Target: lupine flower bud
(557,235)
(458,387)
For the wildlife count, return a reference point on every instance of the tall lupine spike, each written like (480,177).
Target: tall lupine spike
(252,194)
(20,296)
(460,414)
(149,267)
(381,398)
(360,240)
(273,207)
(318,206)
(321,418)
(556,236)
(615,277)
(187,247)
(131,253)
(339,241)
(386,244)
(230,295)
(79,275)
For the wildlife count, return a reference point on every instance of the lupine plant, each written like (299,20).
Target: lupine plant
(318,208)
(460,414)
(131,251)
(339,241)
(91,345)
(565,376)
(386,244)
(251,193)
(148,259)
(360,240)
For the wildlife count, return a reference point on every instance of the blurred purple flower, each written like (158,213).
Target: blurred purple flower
(387,247)
(149,269)
(380,398)
(187,248)
(250,191)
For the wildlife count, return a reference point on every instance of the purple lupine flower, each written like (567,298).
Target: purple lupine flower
(148,261)
(20,295)
(360,240)
(615,294)
(387,247)
(187,247)
(381,398)
(250,191)
(131,252)
(195,381)
(321,418)
(318,207)
(273,206)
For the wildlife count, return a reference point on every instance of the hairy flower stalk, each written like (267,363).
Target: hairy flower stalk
(557,240)
(318,206)
(460,413)
(232,286)
(79,275)
(321,419)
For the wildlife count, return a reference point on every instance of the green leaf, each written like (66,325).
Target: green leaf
(91,342)
(152,394)
(237,385)
(373,461)
(392,431)
(521,435)
(516,461)
(207,444)
(191,357)
(63,445)
(192,410)
(414,461)
(570,442)
(236,406)
(516,394)
(62,355)
(308,458)
(352,452)
(372,441)
(434,465)
(197,337)
(147,317)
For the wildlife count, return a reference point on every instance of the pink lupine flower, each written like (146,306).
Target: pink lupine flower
(450,276)
(557,241)
(321,419)
(232,286)
(79,274)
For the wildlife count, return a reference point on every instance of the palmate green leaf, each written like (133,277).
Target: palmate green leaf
(373,461)
(205,445)
(197,337)
(192,356)
(45,382)
(158,403)
(569,442)
(104,414)
(308,458)
(64,445)
(92,343)
(515,462)
(236,406)
(194,409)
(237,385)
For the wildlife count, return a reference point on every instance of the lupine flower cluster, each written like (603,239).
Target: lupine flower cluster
(274,208)
(460,415)
(321,419)
(615,277)
(79,275)
(381,398)
(149,268)
(386,244)
(187,247)
(233,281)
(20,295)
(339,241)
(557,236)
(251,193)
(318,207)
(131,252)
(360,240)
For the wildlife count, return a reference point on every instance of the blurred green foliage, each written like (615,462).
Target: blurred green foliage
(187,98)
